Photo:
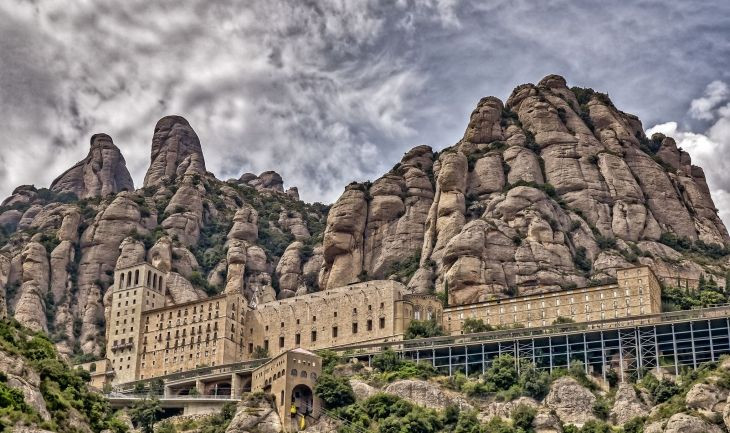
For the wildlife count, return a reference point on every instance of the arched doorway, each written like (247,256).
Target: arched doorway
(303,399)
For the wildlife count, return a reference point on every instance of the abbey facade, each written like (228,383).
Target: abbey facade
(147,338)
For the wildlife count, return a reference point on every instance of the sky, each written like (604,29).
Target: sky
(330,91)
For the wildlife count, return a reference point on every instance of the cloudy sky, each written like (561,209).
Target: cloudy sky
(330,91)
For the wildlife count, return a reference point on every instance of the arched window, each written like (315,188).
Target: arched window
(136,277)
(313,376)
(121,280)
(149,278)
(129,278)
(293,371)
(303,374)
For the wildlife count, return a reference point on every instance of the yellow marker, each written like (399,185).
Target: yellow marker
(302,423)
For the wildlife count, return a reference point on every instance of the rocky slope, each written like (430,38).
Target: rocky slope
(554,188)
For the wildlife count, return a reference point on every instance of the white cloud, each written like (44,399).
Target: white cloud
(715,93)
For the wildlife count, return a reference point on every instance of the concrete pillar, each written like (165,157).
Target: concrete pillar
(200,386)
(236,386)
(167,393)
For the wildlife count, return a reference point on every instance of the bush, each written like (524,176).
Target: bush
(522,417)
(502,374)
(423,329)
(472,326)
(601,408)
(534,383)
(334,391)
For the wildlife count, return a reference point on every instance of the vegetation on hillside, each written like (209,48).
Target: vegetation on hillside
(67,397)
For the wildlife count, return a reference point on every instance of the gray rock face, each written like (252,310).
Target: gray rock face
(175,151)
(683,423)
(627,405)
(255,415)
(533,184)
(426,394)
(102,172)
(571,402)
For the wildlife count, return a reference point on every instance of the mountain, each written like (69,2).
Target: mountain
(552,189)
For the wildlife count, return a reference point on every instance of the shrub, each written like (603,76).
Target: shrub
(145,413)
(472,325)
(502,374)
(581,260)
(522,417)
(423,329)
(601,408)
(534,383)
(334,391)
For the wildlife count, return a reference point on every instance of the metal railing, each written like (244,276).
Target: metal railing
(542,331)
(121,396)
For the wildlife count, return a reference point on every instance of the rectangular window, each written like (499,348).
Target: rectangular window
(314,336)
(354,328)
(297,339)
(382,322)
(334,332)
(281,342)
(370,325)
(266,344)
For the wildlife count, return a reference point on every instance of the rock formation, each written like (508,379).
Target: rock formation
(102,172)
(175,151)
(554,188)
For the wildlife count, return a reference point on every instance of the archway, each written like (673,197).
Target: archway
(303,399)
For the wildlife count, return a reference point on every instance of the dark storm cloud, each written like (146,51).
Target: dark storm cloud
(326,92)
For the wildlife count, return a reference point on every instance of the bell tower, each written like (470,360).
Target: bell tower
(136,289)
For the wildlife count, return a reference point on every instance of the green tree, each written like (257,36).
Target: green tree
(472,325)
(334,391)
(534,383)
(423,329)
(502,374)
(468,423)
(388,360)
(260,353)
(601,408)
(612,377)
(522,417)
(145,413)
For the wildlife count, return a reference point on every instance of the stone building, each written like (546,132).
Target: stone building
(290,378)
(637,292)
(147,338)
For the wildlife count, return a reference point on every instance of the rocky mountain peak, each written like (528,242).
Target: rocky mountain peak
(102,172)
(552,189)
(270,180)
(176,151)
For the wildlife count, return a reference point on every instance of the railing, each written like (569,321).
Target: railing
(543,331)
(203,371)
(120,396)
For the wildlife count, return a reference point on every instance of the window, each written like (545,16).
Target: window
(281,342)
(294,372)
(370,325)
(314,335)
(334,332)
(354,327)
(382,322)
(314,318)
(297,339)
(266,344)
